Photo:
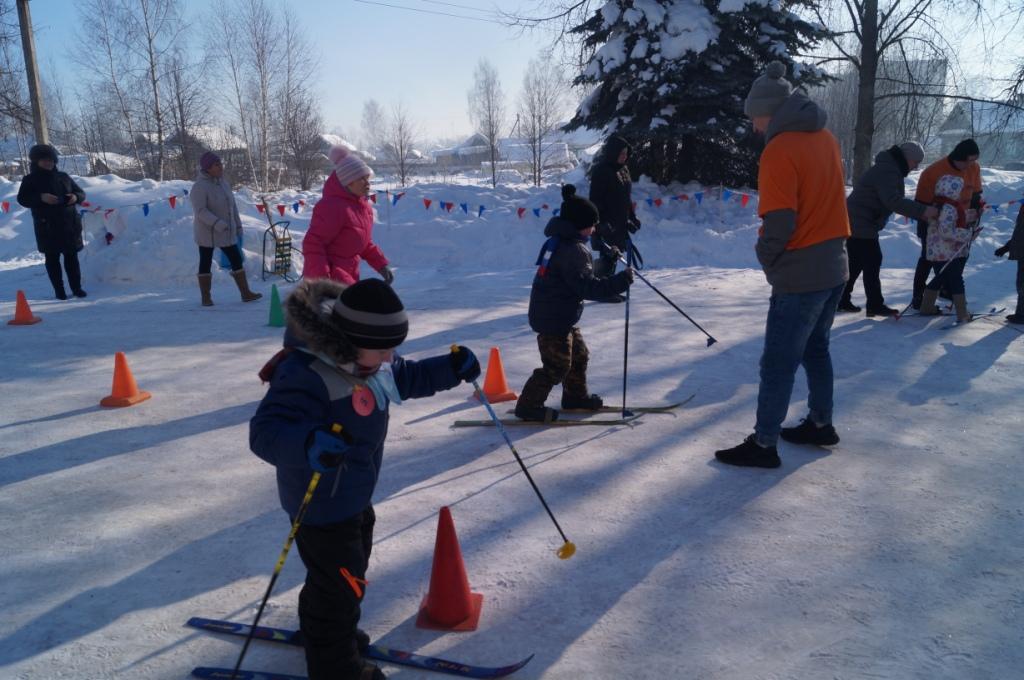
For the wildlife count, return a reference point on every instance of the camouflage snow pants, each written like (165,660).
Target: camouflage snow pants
(564,359)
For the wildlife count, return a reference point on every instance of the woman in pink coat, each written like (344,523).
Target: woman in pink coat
(341,231)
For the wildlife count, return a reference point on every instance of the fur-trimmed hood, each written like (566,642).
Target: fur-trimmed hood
(308,309)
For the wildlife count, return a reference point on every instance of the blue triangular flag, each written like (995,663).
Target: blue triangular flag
(186,192)
(699,196)
(465,207)
(650,201)
(556,211)
(536,212)
(145,209)
(726,194)
(480,211)
(295,206)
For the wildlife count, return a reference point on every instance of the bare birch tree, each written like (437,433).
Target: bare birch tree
(260,27)
(302,138)
(399,139)
(541,105)
(487,110)
(221,38)
(189,106)
(374,123)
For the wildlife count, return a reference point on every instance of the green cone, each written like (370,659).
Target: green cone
(276,313)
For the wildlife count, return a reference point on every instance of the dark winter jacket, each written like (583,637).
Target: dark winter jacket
(879,193)
(58,227)
(559,289)
(1016,243)
(611,190)
(311,389)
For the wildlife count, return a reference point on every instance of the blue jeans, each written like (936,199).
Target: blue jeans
(797,333)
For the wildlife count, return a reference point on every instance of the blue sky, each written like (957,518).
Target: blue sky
(366,51)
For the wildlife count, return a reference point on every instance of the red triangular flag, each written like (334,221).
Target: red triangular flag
(520,212)
(172,200)
(544,207)
(302,202)
(259,207)
(744,199)
(449,206)
(657,202)
(280,209)
(684,197)
(426,203)
(5,206)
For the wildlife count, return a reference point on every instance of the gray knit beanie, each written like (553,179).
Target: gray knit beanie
(768,91)
(913,152)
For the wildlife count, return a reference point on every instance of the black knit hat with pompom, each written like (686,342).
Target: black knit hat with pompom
(577,209)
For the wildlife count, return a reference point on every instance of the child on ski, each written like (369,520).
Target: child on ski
(565,278)
(947,245)
(1015,248)
(339,367)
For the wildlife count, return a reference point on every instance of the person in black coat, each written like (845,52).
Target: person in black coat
(565,277)
(611,191)
(52,195)
(1015,249)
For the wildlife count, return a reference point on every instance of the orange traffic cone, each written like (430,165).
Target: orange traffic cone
(23,313)
(495,385)
(124,391)
(449,605)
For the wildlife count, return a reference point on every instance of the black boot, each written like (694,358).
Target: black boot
(882,310)
(848,306)
(587,402)
(749,454)
(807,432)
(540,414)
(60,292)
(1015,318)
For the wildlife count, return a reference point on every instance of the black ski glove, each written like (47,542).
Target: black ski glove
(1002,250)
(633,226)
(465,364)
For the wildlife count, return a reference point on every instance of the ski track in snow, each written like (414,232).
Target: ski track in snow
(894,555)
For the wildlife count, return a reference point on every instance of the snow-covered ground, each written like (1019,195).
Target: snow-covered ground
(895,555)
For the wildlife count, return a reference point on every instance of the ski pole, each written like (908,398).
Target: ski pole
(939,274)
(336,428)
(625,343)
(568,548)
(711,339)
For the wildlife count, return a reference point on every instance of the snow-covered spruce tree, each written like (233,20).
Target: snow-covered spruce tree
(671,77)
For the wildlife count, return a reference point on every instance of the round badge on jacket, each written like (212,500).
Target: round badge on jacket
(362,400)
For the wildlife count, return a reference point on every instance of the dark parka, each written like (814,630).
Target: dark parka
(1016,244)
(311,389)
(58,227)
(879,193)
(611,190)
(556,299)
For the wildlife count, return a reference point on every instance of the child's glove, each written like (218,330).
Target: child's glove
(388,274)
(1002,250)
(627,274)
(465,364)
(325,451)
(633,225)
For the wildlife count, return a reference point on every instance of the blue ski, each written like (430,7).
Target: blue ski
(376,652)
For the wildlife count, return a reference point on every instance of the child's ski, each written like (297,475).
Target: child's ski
(516,422)
(376,652)
(667,408)
(981,315)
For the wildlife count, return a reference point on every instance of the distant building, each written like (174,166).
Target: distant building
(998,130)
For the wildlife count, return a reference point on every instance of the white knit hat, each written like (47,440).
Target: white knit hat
(348,166)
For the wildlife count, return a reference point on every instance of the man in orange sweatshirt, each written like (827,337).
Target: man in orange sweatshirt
(801,249)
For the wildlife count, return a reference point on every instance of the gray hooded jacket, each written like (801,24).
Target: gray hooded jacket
(879,193)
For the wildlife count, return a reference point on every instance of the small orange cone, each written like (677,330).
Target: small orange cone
(449,605)
(23,313)
(124,391)
(495,385)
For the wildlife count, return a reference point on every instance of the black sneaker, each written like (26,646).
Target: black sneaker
(588,402)
(847,306)
(540,414)
(882,311)
(809,433)
(749,454)
(79,293)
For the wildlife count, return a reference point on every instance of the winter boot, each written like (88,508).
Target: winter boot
(928,299)
(881,310)
(750,454)
(540,414)
(205,281)
(362,640)
(588,402)
(79,293)
(846,305)
(960,305)
(808,432)
(58,290)
(243,286)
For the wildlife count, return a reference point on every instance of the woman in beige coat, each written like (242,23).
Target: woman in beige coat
(217,225)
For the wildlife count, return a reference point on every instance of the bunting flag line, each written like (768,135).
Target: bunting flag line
(280,209)
(480,211)
(396,198)
(465,207)
(5,206)
(172,200)
(145,209)
(520,211)
(426,203)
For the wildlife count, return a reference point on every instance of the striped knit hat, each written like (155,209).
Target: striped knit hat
(370,315)
(348,166)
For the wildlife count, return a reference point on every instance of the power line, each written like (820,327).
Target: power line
(427,11)
(452,4)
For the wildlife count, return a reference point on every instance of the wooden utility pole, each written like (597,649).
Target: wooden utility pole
(28,44)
